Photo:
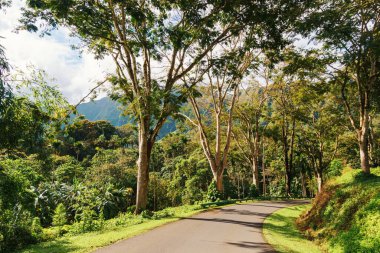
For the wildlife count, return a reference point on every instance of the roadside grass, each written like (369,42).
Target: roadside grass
(345,216)
(281,232)
(122,227)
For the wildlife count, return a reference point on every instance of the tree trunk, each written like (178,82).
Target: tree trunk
(364,154)
(288,182)
(255,174)
(143,171)
(264,173)
(303,183)
(219,182)
(319,181)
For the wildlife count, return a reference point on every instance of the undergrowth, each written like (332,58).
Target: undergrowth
(345,216)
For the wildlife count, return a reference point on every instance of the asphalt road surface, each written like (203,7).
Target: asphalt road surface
(232,229)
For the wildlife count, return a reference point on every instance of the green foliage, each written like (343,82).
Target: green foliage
(212,192)
(87,218)
(253,192)
(36,229)
(59,217)
(335,168)
(34,114)
(345,215)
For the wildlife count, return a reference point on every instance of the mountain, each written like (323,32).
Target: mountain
(103,109)
(108,109)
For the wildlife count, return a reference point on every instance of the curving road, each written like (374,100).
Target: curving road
(231,229)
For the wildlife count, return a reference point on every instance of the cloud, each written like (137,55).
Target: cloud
(75,73)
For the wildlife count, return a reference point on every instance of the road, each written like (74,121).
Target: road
(232,229)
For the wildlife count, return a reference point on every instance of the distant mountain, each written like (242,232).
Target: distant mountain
(108,109)
(103,109)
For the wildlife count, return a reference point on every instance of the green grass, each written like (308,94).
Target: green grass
(281,232)
(345,215)
(115,230)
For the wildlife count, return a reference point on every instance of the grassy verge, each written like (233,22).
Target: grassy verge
(345,215)
(281,232)
(123,227)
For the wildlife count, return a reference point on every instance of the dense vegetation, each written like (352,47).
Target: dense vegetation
(345,215)
(254,115)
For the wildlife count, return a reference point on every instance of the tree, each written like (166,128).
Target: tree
(250,125)
(320,131)
(142,34)
(350,31)
(282,92)
(31,112)
(223,88)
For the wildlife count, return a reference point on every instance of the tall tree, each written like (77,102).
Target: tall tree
(350,30)
(319,133)
(250,123)
(141,35)
(222,85)
(282,92)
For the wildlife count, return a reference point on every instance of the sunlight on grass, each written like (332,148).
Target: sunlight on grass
(88,242)
(281,232)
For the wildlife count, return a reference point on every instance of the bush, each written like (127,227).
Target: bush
(253,192)
(59,218)
(146,214)
(345,215)
(335,168)
(212,192)
(88,218)
(36,229)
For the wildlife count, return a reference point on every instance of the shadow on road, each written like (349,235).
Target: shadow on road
(263,247)
(237,222)
(241,212)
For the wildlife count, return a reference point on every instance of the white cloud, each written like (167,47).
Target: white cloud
(74,73)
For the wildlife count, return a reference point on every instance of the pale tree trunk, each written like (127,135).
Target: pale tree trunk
(319,181)
(364,149)
(255,172)
(219,91)
(361,126)
(143,170)
(255,151)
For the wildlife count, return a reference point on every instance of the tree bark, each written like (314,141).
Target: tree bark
(319,181)
(219,183)
(255,172)
(363,148)
(303,183)
(142,170)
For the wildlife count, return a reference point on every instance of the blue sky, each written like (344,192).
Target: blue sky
(75,74)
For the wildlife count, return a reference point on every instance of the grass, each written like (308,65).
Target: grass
(345,215)
(281,232)
(115,230)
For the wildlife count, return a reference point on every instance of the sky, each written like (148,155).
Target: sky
(74,73)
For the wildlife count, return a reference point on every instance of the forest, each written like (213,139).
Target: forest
(256,114)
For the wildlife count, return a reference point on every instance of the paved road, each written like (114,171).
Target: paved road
(232,229)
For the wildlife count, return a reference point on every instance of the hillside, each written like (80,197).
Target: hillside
(345,216)
(103,109)
(107,109)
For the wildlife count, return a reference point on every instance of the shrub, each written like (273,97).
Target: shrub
(253,192)
(88,218)
(36,229)
(59,218)
(346,213)
(212,192)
